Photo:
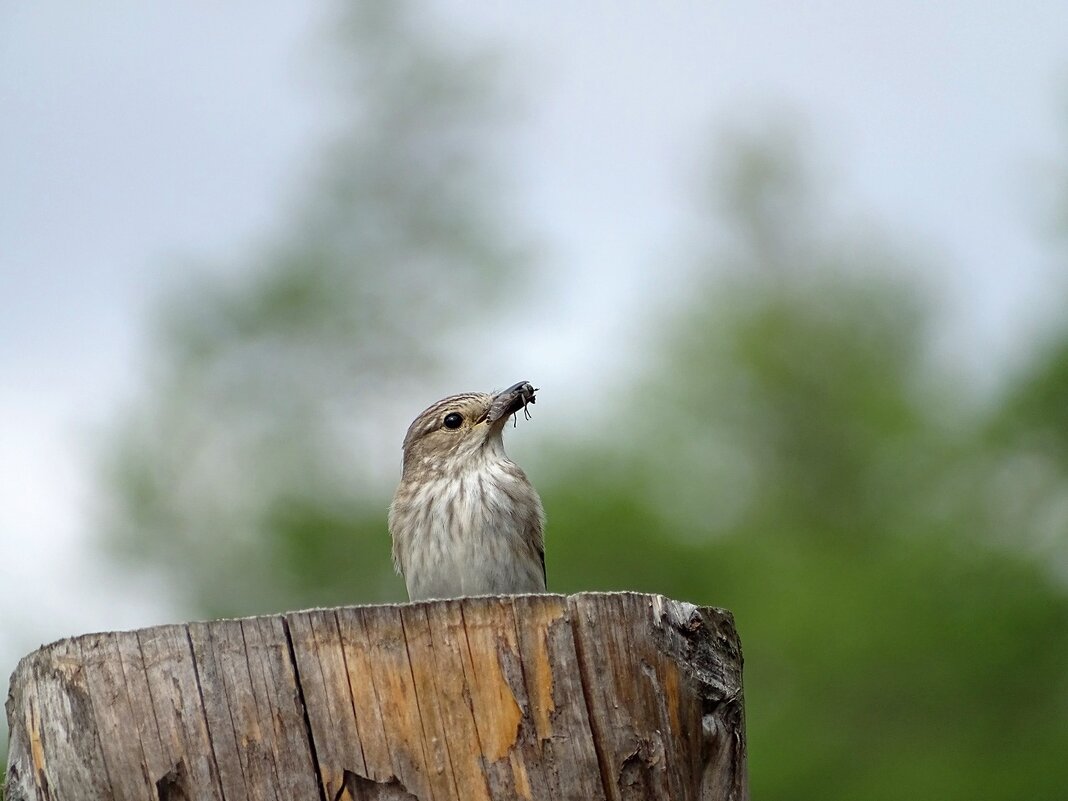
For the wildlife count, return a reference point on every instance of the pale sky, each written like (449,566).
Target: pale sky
(132,134)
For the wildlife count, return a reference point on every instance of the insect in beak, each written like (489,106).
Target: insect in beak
(517,397)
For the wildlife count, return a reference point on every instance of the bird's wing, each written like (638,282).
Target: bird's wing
(544,577)
(536,538)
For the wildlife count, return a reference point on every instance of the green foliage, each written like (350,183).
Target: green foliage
(888,547)
(804,464)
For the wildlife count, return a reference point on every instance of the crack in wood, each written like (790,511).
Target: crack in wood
(213,764)
(304,710)
(361,788)
(587,698)
(174,784)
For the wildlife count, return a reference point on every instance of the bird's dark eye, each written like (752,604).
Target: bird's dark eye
(453,420)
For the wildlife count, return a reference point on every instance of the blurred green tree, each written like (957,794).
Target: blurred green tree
(798,456)
(242,471)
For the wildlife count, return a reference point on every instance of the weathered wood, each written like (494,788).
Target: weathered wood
(613,696)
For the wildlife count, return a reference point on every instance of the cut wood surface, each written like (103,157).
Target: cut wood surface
(594,696)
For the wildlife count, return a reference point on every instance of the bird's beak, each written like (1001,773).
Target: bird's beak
(510,401)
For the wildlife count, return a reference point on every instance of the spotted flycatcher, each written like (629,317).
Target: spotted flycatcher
(465,519)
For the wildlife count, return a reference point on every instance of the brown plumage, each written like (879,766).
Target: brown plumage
(465,519)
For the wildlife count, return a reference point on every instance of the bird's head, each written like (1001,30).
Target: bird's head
(457,429)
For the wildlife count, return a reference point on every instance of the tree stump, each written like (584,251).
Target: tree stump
(593,696)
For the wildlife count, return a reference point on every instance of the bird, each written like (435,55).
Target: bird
(465,519)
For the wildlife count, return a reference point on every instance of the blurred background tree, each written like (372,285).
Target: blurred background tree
(245,469)
(891,542)
(798,455)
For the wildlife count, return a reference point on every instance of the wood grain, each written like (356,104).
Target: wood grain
(593,697)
